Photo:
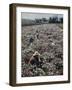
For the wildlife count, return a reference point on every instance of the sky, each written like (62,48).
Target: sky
(33,16)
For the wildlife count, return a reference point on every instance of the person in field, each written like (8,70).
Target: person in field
(35,59)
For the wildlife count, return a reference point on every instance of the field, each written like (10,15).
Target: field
(47,39)
(60,26)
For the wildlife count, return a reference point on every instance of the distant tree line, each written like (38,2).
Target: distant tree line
(50,20)
(42,21)
(55,20)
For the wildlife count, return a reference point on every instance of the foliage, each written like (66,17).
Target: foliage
(50,46)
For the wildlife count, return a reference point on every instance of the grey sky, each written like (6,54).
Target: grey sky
(38,15)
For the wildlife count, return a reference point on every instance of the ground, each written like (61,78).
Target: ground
(47,39)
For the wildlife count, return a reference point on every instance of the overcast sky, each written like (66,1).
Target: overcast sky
(38,15)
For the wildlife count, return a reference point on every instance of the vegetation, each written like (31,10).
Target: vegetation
(47,39)
(27,22)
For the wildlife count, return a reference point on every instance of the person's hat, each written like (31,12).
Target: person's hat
(36,53)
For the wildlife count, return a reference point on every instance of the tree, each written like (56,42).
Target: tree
(50,20)
(37,20)
(61,20)
(44,19)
